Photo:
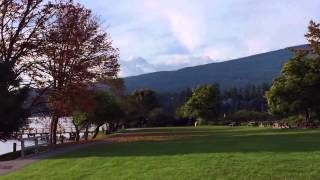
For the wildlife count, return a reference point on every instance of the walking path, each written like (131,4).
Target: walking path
(13,165)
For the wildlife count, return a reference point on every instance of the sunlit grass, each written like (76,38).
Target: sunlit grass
(190,153)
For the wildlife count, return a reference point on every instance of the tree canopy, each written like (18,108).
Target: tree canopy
(75,54)
(204,104)
(138,105)
(106,110)
(21,25)
(296,91)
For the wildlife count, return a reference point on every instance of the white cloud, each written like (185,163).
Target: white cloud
(134,66)
(139,65)
(222,53)
(186,29)
(180,61)
(256,46)
(171,34)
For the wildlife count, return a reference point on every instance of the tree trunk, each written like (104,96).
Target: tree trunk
(77,134)
(86,134)
(96,131)
(77,138)
(117,125)
(307,117)
(53,130)
(111,127)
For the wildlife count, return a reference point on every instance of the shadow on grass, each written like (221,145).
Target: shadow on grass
(206,140)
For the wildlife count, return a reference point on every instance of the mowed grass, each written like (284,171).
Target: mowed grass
(189,153)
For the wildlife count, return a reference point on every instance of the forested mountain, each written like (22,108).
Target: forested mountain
(256,69)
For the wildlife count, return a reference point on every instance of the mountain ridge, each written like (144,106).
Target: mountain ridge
(232,73)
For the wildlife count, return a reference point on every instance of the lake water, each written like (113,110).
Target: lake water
(6,147)
(37,123)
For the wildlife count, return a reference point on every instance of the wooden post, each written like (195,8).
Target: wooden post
(47,139)
(36,145)
(14,147)
(22,148)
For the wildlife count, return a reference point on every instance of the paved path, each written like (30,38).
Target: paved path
(13,165)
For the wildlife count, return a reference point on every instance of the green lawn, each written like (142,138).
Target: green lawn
(191,153)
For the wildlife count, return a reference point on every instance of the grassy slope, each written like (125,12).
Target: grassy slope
(196,153)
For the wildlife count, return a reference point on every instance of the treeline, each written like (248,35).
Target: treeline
(250,97)
(147,108)
(231,100)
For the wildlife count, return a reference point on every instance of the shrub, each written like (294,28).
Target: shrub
(245,116)
(298,121)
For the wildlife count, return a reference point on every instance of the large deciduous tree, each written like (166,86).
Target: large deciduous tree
(296,91)
(21,25)
(76,53)
(203,105)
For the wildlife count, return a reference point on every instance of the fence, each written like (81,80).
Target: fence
(31,144)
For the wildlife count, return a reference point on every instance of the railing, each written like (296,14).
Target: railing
(32,140)
(38,142)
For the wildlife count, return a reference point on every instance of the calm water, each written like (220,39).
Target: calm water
(6,147)
(36,123)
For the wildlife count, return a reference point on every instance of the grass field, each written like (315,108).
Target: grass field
(189,153)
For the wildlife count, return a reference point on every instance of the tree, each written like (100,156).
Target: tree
(140,104)
(21,25)
(13,112)
(170,101)
(114,85)
(296,91)
(75,53)
(245,116)
(203,105)
(158,118)
(106,110)
(250,97)
(313,36)
(79,118)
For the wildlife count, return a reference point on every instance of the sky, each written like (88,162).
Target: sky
(158,35)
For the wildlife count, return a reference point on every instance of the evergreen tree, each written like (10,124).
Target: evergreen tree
(12,112)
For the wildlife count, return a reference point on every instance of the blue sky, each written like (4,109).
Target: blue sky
(156,35)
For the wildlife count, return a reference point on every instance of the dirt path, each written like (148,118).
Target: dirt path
(13,165)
